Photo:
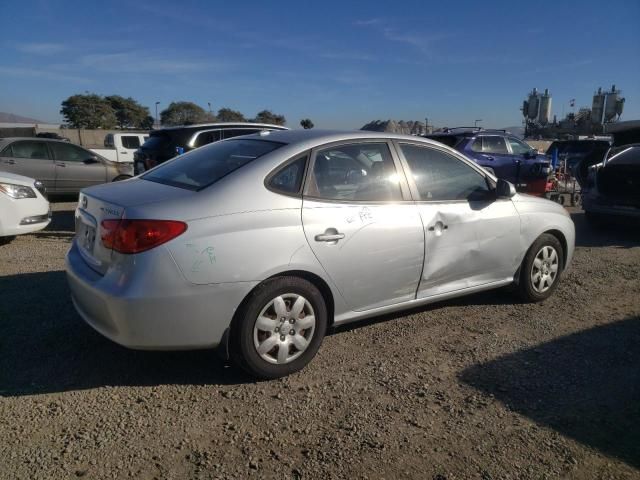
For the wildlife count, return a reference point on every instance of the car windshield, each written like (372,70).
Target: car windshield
(204,166)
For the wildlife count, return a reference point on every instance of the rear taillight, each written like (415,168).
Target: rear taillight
(135,236)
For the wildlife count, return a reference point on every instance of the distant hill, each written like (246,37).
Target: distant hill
(517,131)
(13,118)
(410,127)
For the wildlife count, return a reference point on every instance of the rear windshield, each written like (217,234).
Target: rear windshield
(206,165)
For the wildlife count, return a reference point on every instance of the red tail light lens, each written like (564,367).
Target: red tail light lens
(135,236)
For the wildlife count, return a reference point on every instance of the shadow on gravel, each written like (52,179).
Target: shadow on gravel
(617,234)
(585,385)
(45,347)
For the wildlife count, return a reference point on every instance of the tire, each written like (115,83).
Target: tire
(267,318)
(7,240)
(121,177)
(538,269)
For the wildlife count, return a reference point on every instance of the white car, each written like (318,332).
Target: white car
(23,208)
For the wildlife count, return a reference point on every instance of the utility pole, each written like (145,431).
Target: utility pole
(157,119)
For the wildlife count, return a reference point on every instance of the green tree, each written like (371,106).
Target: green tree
(267,116)
(88,111)
(306,123)
(185,113)
(228,115)
(129,113)
(148,122)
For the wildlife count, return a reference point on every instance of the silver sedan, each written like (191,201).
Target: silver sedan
(257,245)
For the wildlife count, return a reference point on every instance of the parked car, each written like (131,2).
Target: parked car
(61,166)
(52,135)
(257,244)
(23,206)
(502,154)
(611,187)
(166,143)
(120,147)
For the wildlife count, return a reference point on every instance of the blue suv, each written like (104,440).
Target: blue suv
(502,154)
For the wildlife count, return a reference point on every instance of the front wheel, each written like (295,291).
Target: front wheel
(279,328)
(541,269)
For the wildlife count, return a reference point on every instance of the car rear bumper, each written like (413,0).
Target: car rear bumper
(182,316)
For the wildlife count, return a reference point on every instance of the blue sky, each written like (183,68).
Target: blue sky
(341,63)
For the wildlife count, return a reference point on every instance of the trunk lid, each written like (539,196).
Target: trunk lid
(110,202)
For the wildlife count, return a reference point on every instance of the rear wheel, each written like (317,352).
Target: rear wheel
(541,269)
(280,328)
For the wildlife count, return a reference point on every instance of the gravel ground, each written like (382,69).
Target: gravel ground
(481,387)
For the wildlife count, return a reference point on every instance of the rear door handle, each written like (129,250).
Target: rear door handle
(61,164)
(487,157)
(330,235)
(10,162)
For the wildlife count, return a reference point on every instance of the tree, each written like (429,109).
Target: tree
(306,123)
(88,111)
(185,113)
(228,115)
(267,116)
(148,122)
(129,113)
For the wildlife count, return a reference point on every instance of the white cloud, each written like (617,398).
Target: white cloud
(143,62)
(39,73)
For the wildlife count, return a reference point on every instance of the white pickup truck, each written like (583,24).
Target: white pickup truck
(119,147)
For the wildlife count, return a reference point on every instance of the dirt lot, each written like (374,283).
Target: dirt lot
(482,387)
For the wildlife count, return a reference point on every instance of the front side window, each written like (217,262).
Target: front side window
(36,150)
(288,179)
(69,153)
(356,172)
(202,167)
(518,147)
(442,177)
(130,141)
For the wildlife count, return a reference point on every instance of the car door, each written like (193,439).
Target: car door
(472,238)
(128,145)
(361,224)
(76,168)
(491,151)
(30,158)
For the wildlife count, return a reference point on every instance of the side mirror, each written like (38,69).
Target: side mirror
(530,154)
(91,160)
(505,189)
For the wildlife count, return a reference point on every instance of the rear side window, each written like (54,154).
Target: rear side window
(202,167)
(236,132)
(37,150)
(205,138)
(130,141)
(489,144)
(288,179)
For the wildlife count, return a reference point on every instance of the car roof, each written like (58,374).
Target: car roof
(199,126)
(469,132)
(316,136)
(6,140)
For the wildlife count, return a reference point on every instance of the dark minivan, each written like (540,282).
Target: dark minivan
(166,143)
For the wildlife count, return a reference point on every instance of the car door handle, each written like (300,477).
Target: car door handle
(330,235)
(61,164)
(438,226)
(124,153)
(10,162)
(488,157)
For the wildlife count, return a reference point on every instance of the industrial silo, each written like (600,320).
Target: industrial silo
(611,104)
(545,108)
(597,107)
(534,105)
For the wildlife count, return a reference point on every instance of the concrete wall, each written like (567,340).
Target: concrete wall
(83,137)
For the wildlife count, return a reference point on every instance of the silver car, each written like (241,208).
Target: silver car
(258,244)
(61,166)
